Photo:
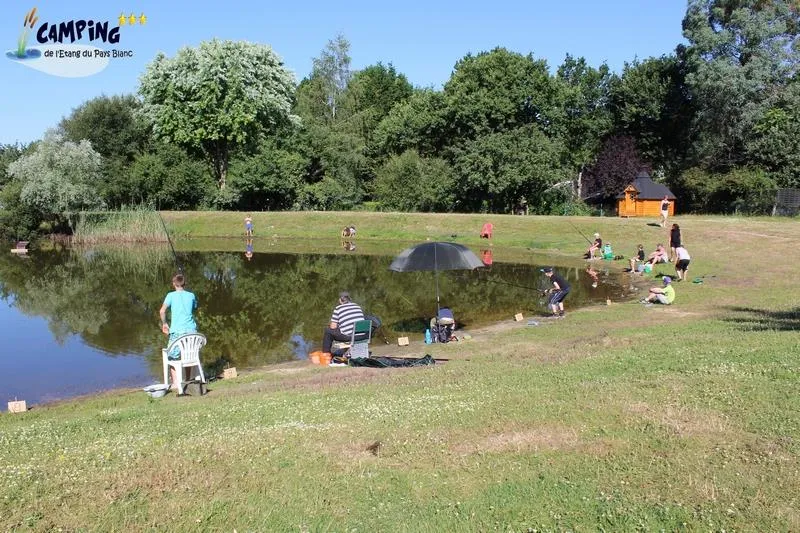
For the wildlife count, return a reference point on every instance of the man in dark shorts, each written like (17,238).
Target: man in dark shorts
(557,293)
(682,259)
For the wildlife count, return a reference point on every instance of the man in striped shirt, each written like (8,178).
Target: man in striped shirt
(343,320)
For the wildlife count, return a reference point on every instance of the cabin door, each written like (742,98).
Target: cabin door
(629,205)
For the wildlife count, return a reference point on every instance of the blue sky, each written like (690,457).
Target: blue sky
(422,39)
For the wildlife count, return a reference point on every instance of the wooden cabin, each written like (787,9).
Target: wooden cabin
(643,197)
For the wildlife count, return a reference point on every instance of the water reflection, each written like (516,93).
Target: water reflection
(258,309)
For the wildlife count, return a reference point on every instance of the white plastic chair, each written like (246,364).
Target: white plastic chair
(189,346)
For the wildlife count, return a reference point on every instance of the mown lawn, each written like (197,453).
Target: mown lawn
(618,418)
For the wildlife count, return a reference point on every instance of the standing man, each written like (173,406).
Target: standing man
(343,320)
(664,211)
(248,226)
(182,305)
(557,293)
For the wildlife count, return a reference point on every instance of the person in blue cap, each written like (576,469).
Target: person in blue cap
(659,295)
(557,293)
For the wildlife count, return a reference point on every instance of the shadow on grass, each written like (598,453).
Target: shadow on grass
(654,224)
(751,319)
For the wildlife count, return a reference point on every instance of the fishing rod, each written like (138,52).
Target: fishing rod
(541,291)
(174,255)
(579,231)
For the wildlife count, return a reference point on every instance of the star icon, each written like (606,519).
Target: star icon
(132,19)
(122,19)
(142,19)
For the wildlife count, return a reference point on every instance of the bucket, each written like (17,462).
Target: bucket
(314,356)
(325,359)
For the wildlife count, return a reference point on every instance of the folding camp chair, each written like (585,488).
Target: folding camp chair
(359,339)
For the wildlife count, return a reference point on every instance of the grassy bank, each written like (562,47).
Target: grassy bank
(618,418)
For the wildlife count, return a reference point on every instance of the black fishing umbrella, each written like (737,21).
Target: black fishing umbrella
(436,256)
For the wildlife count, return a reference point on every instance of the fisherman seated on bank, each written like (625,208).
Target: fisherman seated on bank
(343,320)
(595,246)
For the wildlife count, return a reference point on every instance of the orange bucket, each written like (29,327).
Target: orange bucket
(315,357)
(325,359)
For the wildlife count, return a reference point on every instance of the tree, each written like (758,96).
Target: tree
(408,182)
(418,123)
(742,55)
(651,104)
(118,132)
(272,177)
(587,119)
(59,177)
(217,98)
(617,164)
(332,69)
(369,97)
(498,91)
(496,170)
(167,178)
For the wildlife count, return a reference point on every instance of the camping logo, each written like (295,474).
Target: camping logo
(61,51)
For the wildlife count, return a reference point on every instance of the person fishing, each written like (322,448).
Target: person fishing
(182,304)
(559,291)
(595,246)
(343,321)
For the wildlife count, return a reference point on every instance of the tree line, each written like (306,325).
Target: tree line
(225,126)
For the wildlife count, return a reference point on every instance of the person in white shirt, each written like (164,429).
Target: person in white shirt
(682,259)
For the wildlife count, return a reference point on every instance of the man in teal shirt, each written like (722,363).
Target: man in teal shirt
(182,305)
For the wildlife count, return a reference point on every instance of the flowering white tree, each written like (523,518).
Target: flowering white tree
(217,98)
(60,177)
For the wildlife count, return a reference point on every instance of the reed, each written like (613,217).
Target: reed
(136,224)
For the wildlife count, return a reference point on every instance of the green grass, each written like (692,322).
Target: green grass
(134,225)
(22,42)
(618,418)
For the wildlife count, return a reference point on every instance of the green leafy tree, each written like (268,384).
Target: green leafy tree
(118,132)
(217,98)
(742,190)
(271,178)
(419,123)
(408,182)
(332,69)
(59,178)
(587,119)
(498,91)
(651,104)
(371,94)
(774,143)
(742,54)
(498,169)
(166,177)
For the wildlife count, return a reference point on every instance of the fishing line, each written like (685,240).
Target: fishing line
(174,255)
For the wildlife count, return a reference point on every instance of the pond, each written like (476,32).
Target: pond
(77,321)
